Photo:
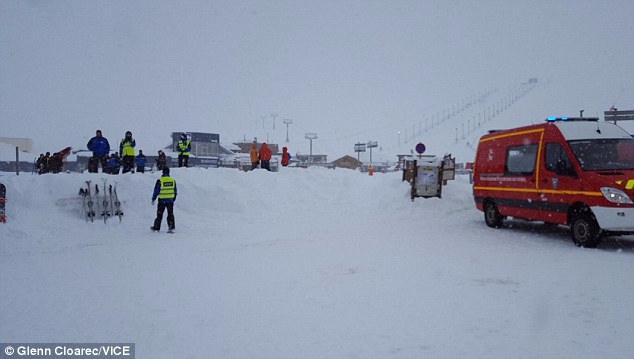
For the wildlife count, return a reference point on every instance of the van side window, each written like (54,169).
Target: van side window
(557,160)
(521,159)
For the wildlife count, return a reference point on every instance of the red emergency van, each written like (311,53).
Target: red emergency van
(571,171)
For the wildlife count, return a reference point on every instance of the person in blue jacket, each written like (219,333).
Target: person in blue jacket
(114,164)
(140,161)
(100,149)
(165,191)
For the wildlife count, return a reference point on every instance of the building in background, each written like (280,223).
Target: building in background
(205,148)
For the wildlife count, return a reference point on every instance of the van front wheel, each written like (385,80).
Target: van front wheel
(492,216)
(585,231)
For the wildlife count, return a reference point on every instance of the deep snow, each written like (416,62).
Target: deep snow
(309,263)
(301,263)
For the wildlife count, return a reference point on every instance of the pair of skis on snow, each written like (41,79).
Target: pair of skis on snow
(104,206)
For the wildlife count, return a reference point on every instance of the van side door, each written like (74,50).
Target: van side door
(520,174)
(557,182)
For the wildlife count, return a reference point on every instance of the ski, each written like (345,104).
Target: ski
(117,204)
(105,205)
(90,213)
(3,202)
(110,199)
(97,210)
(84,204)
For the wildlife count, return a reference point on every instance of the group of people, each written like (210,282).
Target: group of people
(165,188)
(111,163)
(48,163)
(262,156)
(125,160)
(115,161)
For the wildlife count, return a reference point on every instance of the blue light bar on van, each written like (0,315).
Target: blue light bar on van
(555,118)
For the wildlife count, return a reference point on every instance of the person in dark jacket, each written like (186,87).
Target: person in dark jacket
(42,163)
(161,161)
(38,163)
(165,190)
(140,161)
(100,148)
(56,164)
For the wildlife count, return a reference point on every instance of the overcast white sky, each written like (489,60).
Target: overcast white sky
(334,67)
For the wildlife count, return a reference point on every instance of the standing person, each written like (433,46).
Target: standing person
(184,148)
(46,163)
(126,148)
(165,191)
(39,164)
(161,161)
(42,163)
(140,161)
(100,148)
(55,164)
(255,158)
(286,157)
(265,156)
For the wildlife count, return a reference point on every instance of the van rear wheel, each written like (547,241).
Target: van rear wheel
(585,230)
(492,216)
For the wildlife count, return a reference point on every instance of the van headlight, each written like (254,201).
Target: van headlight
(615,195)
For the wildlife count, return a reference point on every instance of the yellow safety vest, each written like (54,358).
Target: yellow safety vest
(127,149)
(167,187)
(182,146)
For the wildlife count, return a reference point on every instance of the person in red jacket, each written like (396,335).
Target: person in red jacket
(265,156)
(286,157)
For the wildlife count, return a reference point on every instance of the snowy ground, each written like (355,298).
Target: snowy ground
(305,264)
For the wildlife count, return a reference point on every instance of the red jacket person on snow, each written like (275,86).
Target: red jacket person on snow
(286,157)
(265,156)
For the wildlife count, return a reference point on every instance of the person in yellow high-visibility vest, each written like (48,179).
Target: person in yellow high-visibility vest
(126,149)
(165,191)
(184,148)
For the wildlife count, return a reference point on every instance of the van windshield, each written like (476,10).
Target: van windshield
(609,154)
